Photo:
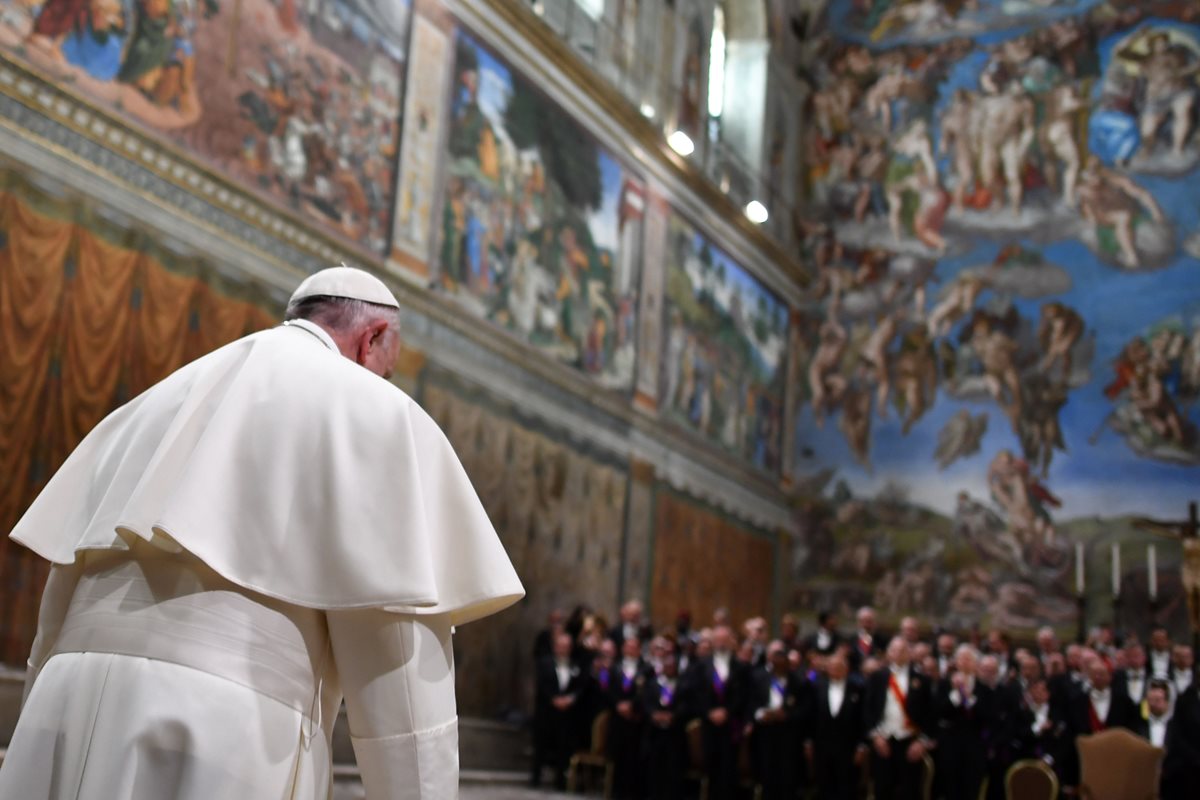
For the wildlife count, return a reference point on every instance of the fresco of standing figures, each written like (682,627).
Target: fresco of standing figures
(1002,346)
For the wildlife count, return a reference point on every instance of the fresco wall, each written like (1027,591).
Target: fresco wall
(297,101)
(541,227)
(723,358)
(1003,345)
(560,513)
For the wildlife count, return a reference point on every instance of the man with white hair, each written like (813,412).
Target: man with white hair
(268,530)
(966,711)
(899,721)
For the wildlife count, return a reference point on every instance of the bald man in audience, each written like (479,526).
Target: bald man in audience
(719,684)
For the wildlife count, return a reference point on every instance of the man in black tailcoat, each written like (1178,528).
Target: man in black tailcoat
(718,687)
(899,720)
(666,707)
(834,744)
(559,709)
(778,703)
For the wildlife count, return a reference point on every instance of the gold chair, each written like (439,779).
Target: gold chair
(595,757)
(697,769)
(1117,765)
(1030,779)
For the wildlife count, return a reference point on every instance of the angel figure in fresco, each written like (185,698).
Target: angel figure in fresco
(874,354)
(1169,71)
(1038,426)
(915,377)
(88,34)
(1023,499)
(996,350)
(1108,198)
(1006,132)
(825,384)
(956,302)
(1059,140)
(1059,328)
(957,139)
(855,423)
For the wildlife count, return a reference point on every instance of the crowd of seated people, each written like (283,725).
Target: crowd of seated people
(831,714)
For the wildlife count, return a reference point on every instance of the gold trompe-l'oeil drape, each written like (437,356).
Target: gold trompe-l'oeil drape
(91,314)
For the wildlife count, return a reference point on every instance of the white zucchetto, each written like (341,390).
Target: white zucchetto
(347,282)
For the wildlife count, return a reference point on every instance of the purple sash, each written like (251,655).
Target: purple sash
(665,694)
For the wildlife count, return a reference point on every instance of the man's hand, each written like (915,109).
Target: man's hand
(563,702)
(860,756)
(662,718)
(625,709)
(718,716)
(882,748)
(916,751)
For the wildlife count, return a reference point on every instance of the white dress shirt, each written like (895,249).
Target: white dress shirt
(1040,715)
(1160,663)
(1101,701)
(824,639)
(563,670)
(1183,679)
(1135,680)
(895,719)
(1158,730)
(721,665)
(837,694)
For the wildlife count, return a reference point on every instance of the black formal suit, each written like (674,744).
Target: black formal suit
(965,723)
(1050,741)
(625,729)
(721,742)
(1122,713)
(863,648)
(667,711)
(895,777)
(557,733)
(1122,678)
(1181,765)
(775,742)
(835,738)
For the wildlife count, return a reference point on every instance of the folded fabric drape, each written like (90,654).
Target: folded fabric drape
(90,315)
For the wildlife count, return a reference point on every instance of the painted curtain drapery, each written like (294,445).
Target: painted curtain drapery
(91,314)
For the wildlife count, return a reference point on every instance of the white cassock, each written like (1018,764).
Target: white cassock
(268,530)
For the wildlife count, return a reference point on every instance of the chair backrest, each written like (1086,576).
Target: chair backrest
(695,741)
(1030,779)
(927,777)
(1117,765)
(600,733)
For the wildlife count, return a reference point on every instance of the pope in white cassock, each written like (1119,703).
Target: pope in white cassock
(270,529)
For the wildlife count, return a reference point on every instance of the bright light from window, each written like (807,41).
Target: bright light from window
(681,143)
(716,65)
(647,111)
(593,8)
(756,212)
(539,9)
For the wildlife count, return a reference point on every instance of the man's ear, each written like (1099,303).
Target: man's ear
(369,339)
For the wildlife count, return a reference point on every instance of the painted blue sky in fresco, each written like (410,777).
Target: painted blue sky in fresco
(1101,479)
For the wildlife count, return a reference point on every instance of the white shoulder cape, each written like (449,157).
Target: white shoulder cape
(291,471)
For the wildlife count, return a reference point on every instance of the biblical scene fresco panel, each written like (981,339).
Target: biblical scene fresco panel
(541,228)
(723,359)
(298,99)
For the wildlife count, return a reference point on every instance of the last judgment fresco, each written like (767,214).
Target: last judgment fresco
(1001,349)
